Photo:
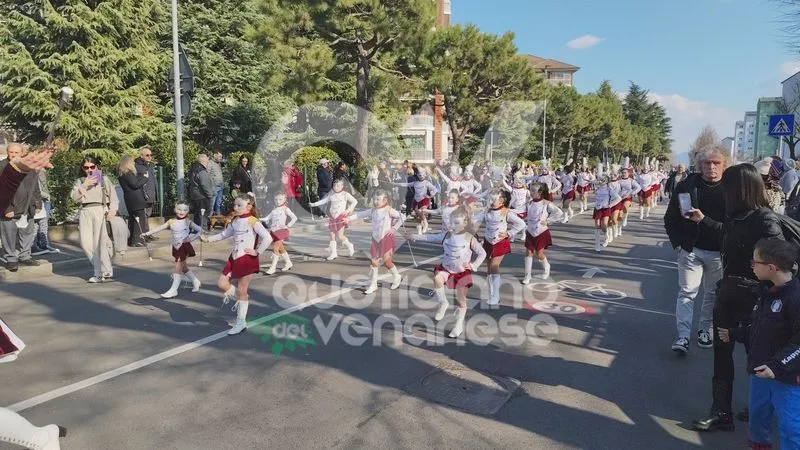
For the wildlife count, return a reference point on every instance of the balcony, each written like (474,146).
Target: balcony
(416,122)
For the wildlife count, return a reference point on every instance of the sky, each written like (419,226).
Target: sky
(706,61)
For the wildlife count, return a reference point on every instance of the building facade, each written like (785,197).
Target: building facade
(555,72)
(738,137)
(765,144)
(750,119)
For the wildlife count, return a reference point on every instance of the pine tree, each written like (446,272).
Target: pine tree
(107,52)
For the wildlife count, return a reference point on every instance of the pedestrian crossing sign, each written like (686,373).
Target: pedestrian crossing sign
(781,125)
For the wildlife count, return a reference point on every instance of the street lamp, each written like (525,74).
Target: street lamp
(544,119)
(63,101)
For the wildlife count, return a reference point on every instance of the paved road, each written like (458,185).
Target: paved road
(136,371)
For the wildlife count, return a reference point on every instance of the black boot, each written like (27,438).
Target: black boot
(721,421)
(720,417)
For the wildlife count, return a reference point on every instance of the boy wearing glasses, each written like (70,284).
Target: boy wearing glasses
(774,341)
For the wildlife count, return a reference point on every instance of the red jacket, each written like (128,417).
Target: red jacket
(292,182)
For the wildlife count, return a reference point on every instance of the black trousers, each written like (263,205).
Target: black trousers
(733,308)
(135,229)
(196,207)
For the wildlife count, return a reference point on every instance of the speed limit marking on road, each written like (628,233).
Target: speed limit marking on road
(563,308)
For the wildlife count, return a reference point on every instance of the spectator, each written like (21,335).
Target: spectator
(771,177)
(411,177)
(201,189)
(373,182)
(790,177)
(342,172)
(17,224)
(97,199)
(292,181)
(698,246)
(14,172)
(215,172)
(41,243)
(144,165)
(748,219)
(242,177)
(133,188)
(324,180)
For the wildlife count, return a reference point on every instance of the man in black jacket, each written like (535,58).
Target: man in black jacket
(143,166)
(17,225)
(201,189)
(324,180)
(698,247)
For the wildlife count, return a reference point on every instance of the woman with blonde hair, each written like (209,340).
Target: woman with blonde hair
(135,199)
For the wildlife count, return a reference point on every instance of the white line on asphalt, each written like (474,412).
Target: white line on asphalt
(66,390)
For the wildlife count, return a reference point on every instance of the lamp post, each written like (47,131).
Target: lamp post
(544,120)
(177,100)
(63,101)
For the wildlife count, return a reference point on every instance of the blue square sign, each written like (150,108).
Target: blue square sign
(781,125)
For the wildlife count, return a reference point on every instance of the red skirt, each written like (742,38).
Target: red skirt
(627,199)
(424,203)
(468,198)
(617,207)
(338,223)
(600,213)
(523,215)
(645,194)
(455,280)
(569,195)
(540,242)
(241,267)
(581,189)
(280,235)
(9,342)
(502,247)
(378,249)
(184,251)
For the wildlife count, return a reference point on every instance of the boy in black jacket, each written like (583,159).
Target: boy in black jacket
(774,341)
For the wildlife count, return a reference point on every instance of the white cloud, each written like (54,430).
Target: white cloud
(585,41)
(689,117)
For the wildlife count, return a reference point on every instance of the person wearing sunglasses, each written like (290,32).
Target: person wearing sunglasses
(97,198)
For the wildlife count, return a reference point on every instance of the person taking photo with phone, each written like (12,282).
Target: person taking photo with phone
(697,244)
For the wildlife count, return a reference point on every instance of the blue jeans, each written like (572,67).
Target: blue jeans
(41,242)
(216,200)
(768,396)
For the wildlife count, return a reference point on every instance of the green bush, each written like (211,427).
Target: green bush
(164,155)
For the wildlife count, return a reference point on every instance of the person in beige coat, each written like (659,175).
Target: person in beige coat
(97,199)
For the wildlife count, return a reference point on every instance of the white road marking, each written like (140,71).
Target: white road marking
(66,390)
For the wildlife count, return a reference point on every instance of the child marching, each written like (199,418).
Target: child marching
(424,190)
(603,198)
(455,271)
(342,204)
(278,223)
(584,186)
(629,189)
(184,231)
(452,203)
(568,192)
(246,231)
(520,196)
(537,235)
(497,240)
(385,221)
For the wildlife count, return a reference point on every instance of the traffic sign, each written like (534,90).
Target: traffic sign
(186,82)
(781,125)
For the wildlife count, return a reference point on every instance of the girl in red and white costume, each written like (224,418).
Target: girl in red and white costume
(455,271)
(629,189)
(385,221)
(520,196)
(342,204)
(549,180)
(584,186)
(278,222)
(568,192)
(453,182)
(246,230)
(452,203)
(646,180)
(616,203)
(497,240)
(424,190)
(537,234)
(470,187)
(184,231)
(604,196)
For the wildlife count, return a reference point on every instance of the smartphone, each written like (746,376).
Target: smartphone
(686,202)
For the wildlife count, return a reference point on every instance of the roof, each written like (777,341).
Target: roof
(784,81)
(544,63)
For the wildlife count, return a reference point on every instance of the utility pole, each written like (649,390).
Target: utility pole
(177,101)
(544,121)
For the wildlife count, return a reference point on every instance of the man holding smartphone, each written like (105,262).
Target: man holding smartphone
(698,247)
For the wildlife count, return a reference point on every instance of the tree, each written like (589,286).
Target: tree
(708,136)
(360,35)
(475,73)
(107,52)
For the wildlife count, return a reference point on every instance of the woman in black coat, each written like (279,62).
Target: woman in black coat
(136,201)
(748,219)
(242,177)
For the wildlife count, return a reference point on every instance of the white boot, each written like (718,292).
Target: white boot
(566,218)
(274,265)
(193,279)
(641,212)
(424,227)
(287,263)
(615,229)
(597,246)
(625,221)
(571,211)
(528,268)
(373,281)
(443,303)
(419,228)
(173,290)
(647,212)
(396,278)
(459,328)
(16,430)
(546,273)
(332,248)
(608,238)
(619,229)
(349,246)
(494,289)
(241,318)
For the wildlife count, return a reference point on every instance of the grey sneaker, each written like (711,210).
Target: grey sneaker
(704,339)
(681,346)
